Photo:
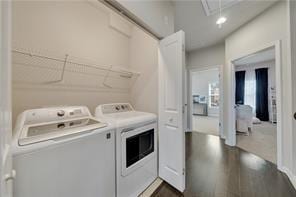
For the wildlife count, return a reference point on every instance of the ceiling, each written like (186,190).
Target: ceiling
(261,56)
(201,30)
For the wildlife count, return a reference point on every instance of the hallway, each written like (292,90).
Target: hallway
(217,170)
(206,124)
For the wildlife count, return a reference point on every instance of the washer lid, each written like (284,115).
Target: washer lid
(41,132)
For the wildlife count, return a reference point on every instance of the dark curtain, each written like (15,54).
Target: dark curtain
(239,87)
(262,94)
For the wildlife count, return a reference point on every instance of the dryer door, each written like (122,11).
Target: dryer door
(138,146)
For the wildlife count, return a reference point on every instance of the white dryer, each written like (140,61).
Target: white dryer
(136,147)
(63,152)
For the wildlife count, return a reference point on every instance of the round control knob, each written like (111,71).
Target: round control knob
(122,107)
(61,126)
(117,107)
(61,113)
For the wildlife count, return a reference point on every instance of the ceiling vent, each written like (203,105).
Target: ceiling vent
(211,7)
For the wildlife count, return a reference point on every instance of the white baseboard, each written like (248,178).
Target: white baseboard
(290,175)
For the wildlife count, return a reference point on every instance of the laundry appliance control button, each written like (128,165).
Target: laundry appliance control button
(61,113)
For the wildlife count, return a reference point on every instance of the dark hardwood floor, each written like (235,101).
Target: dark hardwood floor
(217,170)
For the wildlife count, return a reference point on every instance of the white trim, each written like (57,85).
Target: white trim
(290,175)
(185,89)
(203,68)
(190,100)
(293,50)
(292,59)
(231,138)
(5,102)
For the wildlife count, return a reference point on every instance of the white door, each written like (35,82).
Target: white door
(293,52)
(6,174)
(171,110)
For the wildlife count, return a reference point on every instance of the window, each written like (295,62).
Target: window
(213,95)
(250,89)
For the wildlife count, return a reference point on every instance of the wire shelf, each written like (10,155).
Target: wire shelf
(35,69)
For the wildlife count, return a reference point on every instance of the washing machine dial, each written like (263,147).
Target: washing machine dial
(117,107)
(61,113)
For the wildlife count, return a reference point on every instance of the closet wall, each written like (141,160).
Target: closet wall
(88,33)
(144,58)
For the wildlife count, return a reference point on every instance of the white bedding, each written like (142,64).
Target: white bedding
(256,120)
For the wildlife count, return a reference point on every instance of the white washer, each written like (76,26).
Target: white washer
(63,152)
(136,147)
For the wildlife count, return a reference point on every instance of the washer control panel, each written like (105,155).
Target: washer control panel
(55,113)
(116,108)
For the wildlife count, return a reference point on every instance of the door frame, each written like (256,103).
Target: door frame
(191,70)
(292,37)
(6,172)
(231,138)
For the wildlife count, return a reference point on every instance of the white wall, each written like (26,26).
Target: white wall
(293,56)
(77,28)
(158,16)
(144,58)
(271,76)
(268,27)
(200,85)
(210,56)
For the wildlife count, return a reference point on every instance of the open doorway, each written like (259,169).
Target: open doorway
(256,103)
(204,93)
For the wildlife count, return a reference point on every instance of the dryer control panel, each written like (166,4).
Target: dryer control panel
(115,108)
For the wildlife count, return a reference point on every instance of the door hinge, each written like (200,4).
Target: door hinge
(10,176)
(183,171)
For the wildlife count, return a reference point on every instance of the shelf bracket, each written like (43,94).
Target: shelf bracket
(62,74)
